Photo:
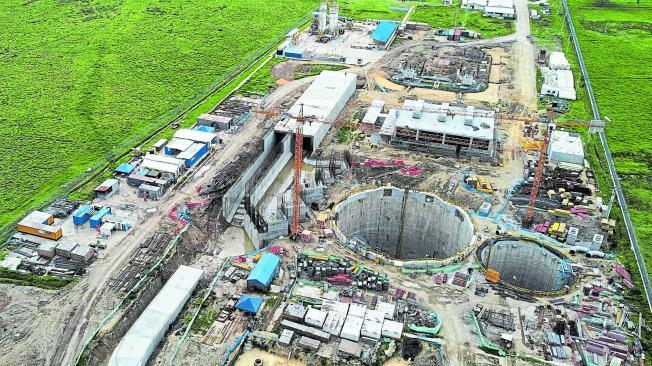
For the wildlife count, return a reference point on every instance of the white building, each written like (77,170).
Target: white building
(352,327)
(558,78)
(315,317)
(558,84)
(392,329)
(326,96)
(323,100)
(491,8)
(443,129)
(565,147)
(143,337)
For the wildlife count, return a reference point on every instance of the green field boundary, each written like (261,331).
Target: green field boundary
(160,124)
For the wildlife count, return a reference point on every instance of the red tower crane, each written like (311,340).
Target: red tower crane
(527,220)
(298,159)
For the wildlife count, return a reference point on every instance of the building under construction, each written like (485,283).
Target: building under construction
(442,129)
(464,69)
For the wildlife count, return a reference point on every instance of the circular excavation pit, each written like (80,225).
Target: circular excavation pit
(405,224)
(527,265)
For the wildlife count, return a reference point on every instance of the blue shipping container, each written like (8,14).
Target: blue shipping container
(82,214)
(190,162)
(293,53)
(96,220)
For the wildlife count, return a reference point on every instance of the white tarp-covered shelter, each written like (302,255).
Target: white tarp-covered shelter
(558,61)
(326,96)
(315,317)
(371,328)
(334,323)
(143,337)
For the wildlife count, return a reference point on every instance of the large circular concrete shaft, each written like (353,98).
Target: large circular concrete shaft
(409,226)
(527,265)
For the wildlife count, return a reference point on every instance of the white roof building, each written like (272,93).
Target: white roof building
(334,323)
(326,96)
(444,118)
(164,159)
(196,136)
(340,307)
(357,310)
(324,100)
(474,4)
(179,144)
(558,83)
(392,329)
(351,328)
(315,317)
(160,166)
(374,111)
(371,329)
(386,308)
(143,337)
(566,147)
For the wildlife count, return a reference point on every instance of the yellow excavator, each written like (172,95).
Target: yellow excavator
(480,183)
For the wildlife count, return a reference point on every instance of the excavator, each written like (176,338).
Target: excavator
(480,183)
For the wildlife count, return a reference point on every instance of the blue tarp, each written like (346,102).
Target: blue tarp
(249,304)
(125,168)
(204,129)
(384,31)
(264,272)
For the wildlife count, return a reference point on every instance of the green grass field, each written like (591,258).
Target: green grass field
(85,77)
(438,15)
(616,40)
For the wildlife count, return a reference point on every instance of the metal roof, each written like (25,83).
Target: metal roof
(160,166)
(195,135)
(191,151)
(164,159)
(141,340)
(249,303)
(384,31)
(125,168)
(179,144)
(264,271)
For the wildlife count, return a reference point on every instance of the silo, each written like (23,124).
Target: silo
(332,24)
(322,17)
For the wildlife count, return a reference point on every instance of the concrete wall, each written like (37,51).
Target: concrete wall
(431,228)
(525,264)
(264,184)
(235,194)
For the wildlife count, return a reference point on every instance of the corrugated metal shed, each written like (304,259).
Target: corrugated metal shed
(295,312)
(371,328)
(384,31)
(386,308)
(334,323)
(357,310)
(82,214)
(141,340)
(264,272)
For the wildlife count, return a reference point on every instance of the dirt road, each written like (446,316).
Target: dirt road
(524,51)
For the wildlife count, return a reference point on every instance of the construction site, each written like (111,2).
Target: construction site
(416,208)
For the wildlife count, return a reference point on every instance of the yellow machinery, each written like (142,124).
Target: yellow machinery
(480,183)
